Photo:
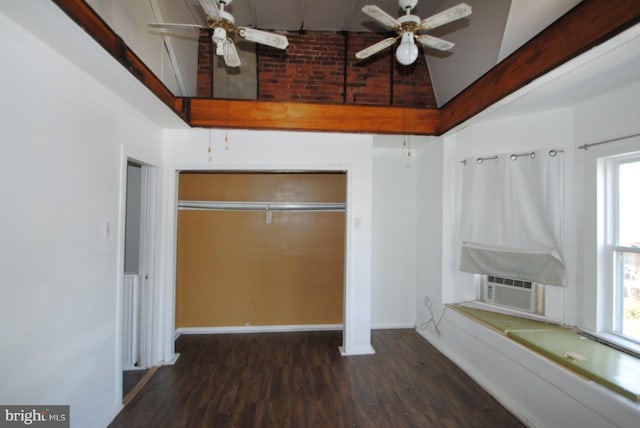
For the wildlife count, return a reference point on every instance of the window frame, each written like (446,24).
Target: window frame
(611,260)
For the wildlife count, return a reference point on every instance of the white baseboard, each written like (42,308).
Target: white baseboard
(172,361)
(399,326)
(366,350)
(257,329)
(134,368)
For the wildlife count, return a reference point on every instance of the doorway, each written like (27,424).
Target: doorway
(137,290)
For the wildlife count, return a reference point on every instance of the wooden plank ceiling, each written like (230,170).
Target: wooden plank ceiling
(588,24)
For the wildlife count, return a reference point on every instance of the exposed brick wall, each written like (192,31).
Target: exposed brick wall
(368,80)
(412,84)
(312,69)
(205,65)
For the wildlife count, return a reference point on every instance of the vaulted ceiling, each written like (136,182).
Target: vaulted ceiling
(585,27)
(494,30)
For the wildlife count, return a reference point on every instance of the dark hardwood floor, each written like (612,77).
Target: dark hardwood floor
(130,379)
(300,380)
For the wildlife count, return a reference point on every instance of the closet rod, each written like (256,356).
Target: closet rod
(261,206)
(611,140)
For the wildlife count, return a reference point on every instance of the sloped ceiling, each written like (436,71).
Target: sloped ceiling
(478,40)
(494,30)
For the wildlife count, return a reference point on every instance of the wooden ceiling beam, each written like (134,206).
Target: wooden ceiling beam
(310,117)
(588,24)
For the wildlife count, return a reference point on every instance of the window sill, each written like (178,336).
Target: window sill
(611,368)
(615,341)
(477,304)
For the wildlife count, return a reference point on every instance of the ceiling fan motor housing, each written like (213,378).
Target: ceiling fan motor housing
(408,23)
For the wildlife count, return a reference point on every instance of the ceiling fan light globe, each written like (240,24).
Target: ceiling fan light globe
(407,51)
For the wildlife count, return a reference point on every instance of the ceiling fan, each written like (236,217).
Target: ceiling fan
(408,28)
(223,25)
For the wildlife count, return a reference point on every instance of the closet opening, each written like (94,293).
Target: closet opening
(260,251)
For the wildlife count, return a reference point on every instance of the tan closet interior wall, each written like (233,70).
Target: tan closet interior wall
(235,269)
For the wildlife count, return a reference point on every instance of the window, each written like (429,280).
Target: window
(623,246)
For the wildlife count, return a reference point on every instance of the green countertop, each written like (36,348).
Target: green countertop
(600,363)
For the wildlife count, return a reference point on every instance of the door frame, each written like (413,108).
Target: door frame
(149,278)
(171,217)
(265,206)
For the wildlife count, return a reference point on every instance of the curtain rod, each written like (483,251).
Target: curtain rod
(611,140)
(513,156)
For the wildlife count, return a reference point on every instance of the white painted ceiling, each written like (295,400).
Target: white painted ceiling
(326,15)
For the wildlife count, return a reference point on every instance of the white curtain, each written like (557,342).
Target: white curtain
(512,215)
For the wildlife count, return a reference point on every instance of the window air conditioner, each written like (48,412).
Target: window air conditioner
(510,293)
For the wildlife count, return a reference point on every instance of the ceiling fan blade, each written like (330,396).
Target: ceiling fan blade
(168,26)
(230,54)
(376,47)
(210,8)
(452,14)
(381,16)
(434,42)
(264,37)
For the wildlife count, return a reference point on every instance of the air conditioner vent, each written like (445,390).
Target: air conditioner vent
(513,282)
(511,293)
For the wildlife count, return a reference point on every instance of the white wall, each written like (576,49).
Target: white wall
(429,227)
(60,175)
(394,230)
(266,150)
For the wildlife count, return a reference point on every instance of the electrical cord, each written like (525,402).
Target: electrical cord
(424,325)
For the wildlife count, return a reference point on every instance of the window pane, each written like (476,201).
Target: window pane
(629,204)
(630,311)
